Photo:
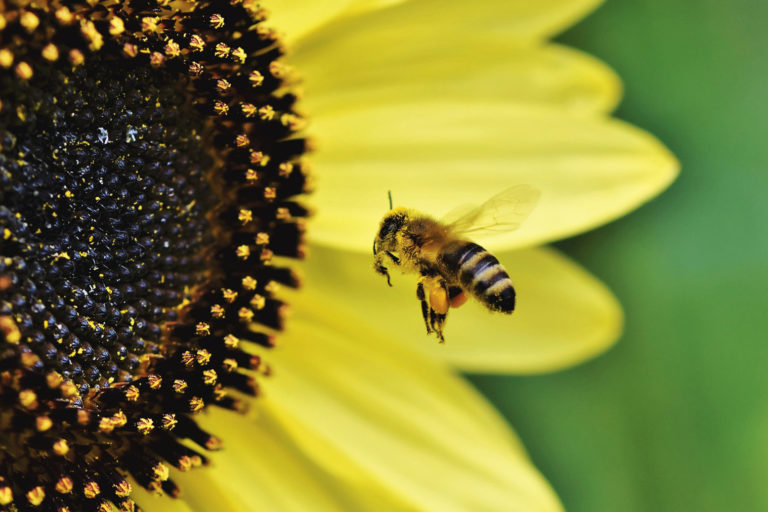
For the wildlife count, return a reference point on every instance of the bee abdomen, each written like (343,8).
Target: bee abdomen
(480,274)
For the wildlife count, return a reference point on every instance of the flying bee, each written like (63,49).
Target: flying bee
(451,267)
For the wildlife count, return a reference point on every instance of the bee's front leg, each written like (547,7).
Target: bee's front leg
(380,269)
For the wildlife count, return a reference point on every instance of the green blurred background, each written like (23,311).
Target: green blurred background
(675,417)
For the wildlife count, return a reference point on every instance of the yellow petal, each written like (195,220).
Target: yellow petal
(364,72)
(269,463)
(563,314)
(297,18)
(400,416)
(518,20)
(435,155)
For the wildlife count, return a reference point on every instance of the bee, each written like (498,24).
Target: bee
(451,267)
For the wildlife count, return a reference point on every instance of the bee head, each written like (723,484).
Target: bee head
(386,239)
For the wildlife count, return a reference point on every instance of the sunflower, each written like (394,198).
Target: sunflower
(150,152)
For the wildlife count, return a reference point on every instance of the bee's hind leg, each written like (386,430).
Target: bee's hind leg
(436,313)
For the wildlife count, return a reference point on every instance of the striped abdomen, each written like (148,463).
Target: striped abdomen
(479,273)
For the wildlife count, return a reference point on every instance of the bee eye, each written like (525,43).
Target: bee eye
(387,229)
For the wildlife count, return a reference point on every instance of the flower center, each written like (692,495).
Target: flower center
(147,165)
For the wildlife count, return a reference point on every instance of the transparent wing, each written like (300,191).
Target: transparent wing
(503,212)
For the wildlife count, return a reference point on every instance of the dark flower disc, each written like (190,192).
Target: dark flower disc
(148,158)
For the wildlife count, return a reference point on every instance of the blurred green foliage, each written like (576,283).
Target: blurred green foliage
(675,417)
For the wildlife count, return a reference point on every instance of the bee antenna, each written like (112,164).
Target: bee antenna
(389,194)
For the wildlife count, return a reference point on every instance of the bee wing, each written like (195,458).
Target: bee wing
(501,213)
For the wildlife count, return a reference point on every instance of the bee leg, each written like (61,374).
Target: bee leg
(439,303)
(382,270)
(423,299)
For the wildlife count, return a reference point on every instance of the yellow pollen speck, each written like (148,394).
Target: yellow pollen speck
(249,109)
(251,175)
(83,417)
(6,233)
(155,381)
(262,238)
(229,364)
(203,357)
(283,213)
(91,490)
(285,169)
(68,389)
(243,252)
(266,255)
(267,113)
(64,485)
(249,283)
(145,425)
(116,26)
(196,404)
(203,329)
(196,43)
(64,16)
(172,49)
(94,37)
(149,23)
(217,21)
(119,419)
(222,50)
(76,57)
(229,295)
(209,377)
(122,489)
(217,311)
(272,287)
(132,393)
(179,386)
(270,193)
(50,52)
(10,330)
(245,315)
(258,301)
(169,421)
(29,21)
(223,85)
(220,107)
(61,447)
(24,71)
(231,341)
(6,58)
(239,54)
(6,495)
(28,399)
(256,78)
(43,423)
(195,69)
(156,59)
(257,157)
(187,358)
(36,496)
(245,216)
(184,463)
(106,425)
(242,140)
(161,472)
